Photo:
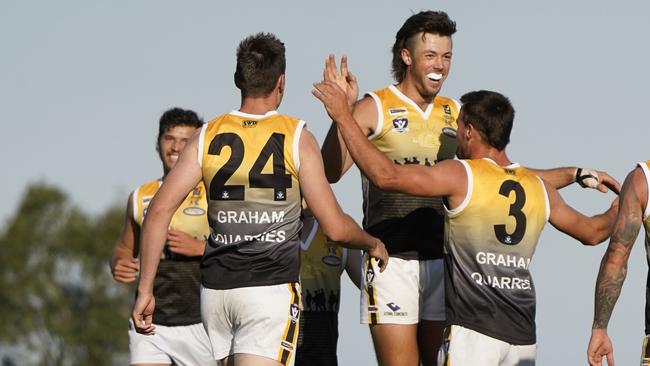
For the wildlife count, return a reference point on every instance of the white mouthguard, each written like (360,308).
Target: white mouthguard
(434,76)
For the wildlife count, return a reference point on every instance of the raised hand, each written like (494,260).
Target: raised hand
(343,78)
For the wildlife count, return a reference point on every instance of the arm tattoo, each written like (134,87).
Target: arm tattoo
(613,267)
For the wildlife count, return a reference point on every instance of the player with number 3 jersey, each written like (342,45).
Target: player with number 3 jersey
(495,212)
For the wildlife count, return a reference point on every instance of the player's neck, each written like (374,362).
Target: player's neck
(409,89)
(259,105)
(498,156)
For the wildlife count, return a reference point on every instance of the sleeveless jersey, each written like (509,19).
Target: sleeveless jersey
(322,263)
(250,169)
(411,227)
(176,285)
(490,239)
(645,166)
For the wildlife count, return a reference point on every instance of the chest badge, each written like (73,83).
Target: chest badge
(400,124)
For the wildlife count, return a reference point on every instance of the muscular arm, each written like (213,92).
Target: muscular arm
(318,195)
(613,267)
(124,265)
(588,230)
(334,151)
(447,178)
(562,177)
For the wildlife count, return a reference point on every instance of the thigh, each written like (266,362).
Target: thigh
(395,344)
(187,345)
(391,297)
(465,347)
(217,322)
(265,321)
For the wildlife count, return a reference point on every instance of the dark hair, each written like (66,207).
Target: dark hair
(178,117)
(491,114)
(260,62)
(434,22)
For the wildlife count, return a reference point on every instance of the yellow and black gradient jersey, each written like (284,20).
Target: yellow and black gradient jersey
(250,169)
(176,285)
(411,227)
(645,166)
(490,239)
(321,266)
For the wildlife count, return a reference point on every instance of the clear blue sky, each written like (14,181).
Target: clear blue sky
(82,85)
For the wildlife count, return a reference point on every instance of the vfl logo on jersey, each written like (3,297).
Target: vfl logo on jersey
(249,123)
(286,345)
(194,211)
(397,111)
(449,132)
(331,259)
(446,108)
(295,313)
(280,196)
(400,124)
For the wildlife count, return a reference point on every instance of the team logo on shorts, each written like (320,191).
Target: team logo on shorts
(286,345)
(400,124)
(295,313)
(392,306)
(370,275)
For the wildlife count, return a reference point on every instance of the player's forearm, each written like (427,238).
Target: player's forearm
(154,235)
(374,164)
(608,288)
(557,177)
(335,154)
(348,234)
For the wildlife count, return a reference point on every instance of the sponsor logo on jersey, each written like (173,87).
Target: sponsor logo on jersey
(392,306)
(397,111)
(146,199)
(331,259)
(248,123)
(400,124)
(449,132)
(446,108)
(194,211)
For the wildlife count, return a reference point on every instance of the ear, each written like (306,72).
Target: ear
(157,143)
(280,84)
(406,56)
(470,131)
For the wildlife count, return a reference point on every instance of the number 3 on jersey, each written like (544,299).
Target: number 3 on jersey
(515,211)
(279,180)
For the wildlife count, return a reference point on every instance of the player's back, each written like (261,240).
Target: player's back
(490,240)
(250,168)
